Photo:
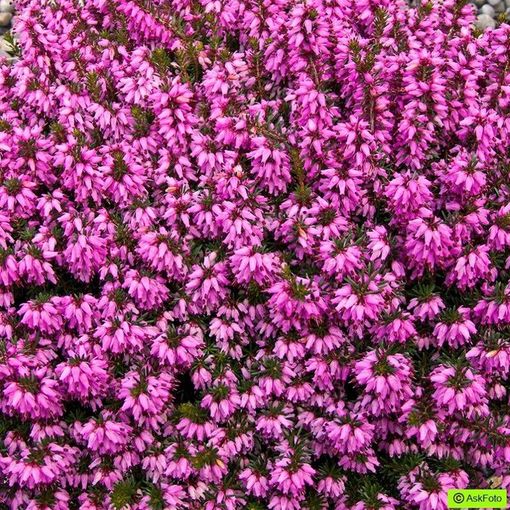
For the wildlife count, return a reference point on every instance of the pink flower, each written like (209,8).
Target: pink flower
(255,483)
(291,480)
(459,390)
(253,254)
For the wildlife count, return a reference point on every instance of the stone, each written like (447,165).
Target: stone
(499,8)
(479,3)
(5,19)
(494,2)
(6,6)
(488,9)
(484,21)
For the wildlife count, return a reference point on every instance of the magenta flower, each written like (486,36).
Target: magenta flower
(253,254)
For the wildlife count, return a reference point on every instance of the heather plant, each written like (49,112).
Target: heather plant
(253,254)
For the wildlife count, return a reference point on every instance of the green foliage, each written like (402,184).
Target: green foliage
(162,60)
(124,493)
(93,86)
(143,119)
(14,49)
(155,494)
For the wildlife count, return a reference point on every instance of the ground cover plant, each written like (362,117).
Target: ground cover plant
(253,254)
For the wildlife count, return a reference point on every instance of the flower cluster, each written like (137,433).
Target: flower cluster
(253,254)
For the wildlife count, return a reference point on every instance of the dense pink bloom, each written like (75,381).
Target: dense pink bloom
(253,254)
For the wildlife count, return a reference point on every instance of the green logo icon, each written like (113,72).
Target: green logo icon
(477,498)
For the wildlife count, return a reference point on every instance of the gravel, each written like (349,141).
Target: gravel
(489,11)
(5,19)
(6,6)
(6,15)
(485,21)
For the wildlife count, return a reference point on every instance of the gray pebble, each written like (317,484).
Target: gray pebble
(5,19)
(499,8)
(494,2)
(6,6)
(488,9)
(479,3)
(485,21)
